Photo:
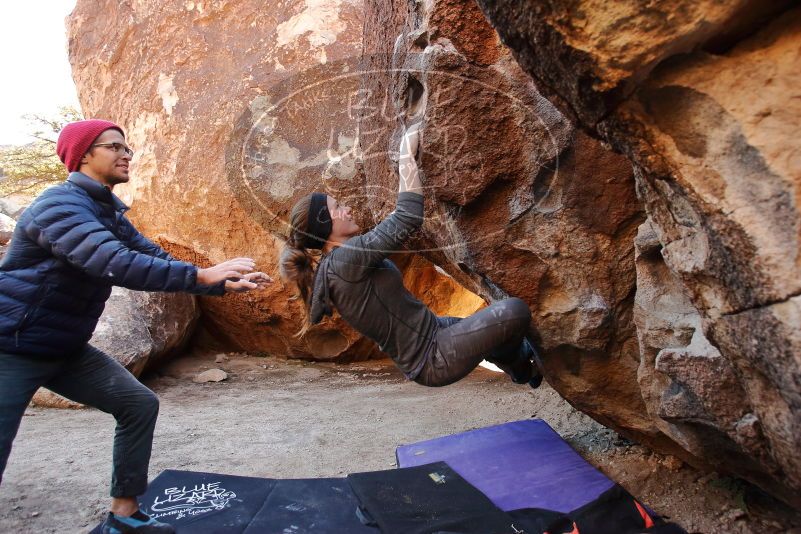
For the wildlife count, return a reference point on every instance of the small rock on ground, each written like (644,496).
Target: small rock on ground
(212,375)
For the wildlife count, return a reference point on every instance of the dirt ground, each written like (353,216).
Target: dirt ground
(290,419)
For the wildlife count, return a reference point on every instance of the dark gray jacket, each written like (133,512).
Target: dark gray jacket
(68,249)
(367,289)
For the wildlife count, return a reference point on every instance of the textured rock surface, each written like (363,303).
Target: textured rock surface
(7,225)
(436,288)
(12,206)
(140,330)
(704,100)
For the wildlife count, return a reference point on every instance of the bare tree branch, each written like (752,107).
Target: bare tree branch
(32,167)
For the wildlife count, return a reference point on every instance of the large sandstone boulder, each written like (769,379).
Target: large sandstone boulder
(140,330)
(704,98)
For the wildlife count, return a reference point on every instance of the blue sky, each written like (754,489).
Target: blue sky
(34,71)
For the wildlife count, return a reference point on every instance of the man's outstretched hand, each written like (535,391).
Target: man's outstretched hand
(236,273)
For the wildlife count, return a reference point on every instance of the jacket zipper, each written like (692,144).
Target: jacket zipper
(21,324)
(34,305)
(16,333)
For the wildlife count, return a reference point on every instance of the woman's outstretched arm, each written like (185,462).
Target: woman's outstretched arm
(368,250)
(409,177)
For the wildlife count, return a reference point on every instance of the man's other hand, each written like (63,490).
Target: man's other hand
(248,282)
(235,268)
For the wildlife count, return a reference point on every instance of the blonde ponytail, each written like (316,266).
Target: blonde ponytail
(296,264)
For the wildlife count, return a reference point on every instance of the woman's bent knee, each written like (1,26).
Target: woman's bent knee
(517,308)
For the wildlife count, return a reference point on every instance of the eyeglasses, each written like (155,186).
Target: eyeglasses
(117,147)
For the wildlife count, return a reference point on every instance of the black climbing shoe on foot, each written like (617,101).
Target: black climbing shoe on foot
(536,380)
(520,369)
(138,523)
(531,354)
(525,371)
(523,366)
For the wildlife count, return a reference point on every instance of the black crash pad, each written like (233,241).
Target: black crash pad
(208,503)
(427,499)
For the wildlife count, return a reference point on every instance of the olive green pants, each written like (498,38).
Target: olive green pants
(494,333)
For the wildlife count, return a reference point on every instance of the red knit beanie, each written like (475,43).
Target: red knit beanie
(76,138)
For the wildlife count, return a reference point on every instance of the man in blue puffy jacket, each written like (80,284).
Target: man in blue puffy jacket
(70,246)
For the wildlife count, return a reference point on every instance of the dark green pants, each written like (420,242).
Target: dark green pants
(93,378)
(494,333)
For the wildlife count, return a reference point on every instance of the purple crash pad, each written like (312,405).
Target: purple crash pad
(523,464)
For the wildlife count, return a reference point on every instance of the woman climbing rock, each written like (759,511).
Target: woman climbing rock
(354,276)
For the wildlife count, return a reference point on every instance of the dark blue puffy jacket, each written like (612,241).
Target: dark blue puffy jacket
(68,249)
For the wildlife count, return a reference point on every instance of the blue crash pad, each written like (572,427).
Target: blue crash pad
(522,464)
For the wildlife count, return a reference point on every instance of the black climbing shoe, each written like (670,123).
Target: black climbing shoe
(535,381)
(523,366)
(519,366)
(138,523)
(534,358)
(521,371)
